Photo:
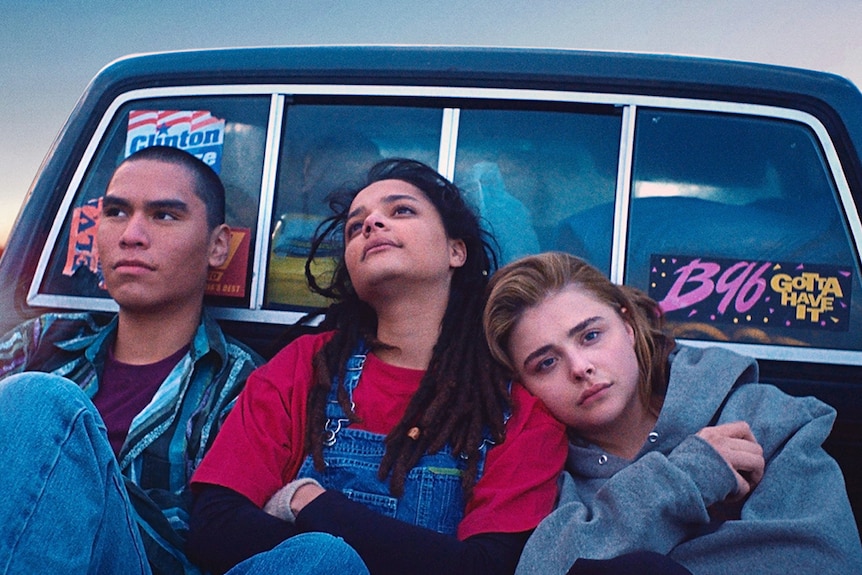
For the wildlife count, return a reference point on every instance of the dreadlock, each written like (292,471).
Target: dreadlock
(463,394)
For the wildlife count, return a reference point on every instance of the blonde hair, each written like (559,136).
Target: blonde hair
(526,282)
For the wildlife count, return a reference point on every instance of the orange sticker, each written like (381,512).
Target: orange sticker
(228,280)
(82,251)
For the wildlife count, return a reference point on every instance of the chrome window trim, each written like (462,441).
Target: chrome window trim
(628,102)
(449,142)
(272,149)
(623,195)
(34,298)
(71,302)
(784,352)
(257,315)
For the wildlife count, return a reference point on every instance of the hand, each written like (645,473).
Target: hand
(303,496)
(290,499)
(738,447)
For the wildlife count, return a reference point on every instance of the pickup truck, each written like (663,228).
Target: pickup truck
(728,191)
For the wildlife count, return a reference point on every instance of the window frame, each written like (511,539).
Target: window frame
(280,95)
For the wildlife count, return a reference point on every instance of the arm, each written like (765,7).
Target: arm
(249,457)
(227,524)
(259,447)
(676,504)
(388,546)
(651,504)
(738,447)
(798,518)
(220,515)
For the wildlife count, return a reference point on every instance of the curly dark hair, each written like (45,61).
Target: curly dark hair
(463,394)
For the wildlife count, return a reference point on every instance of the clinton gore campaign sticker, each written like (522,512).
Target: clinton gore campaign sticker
(765,293)
(197,132)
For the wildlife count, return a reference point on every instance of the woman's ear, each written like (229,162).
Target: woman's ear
(457,253)
(624,312)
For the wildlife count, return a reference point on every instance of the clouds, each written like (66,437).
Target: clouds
(52,48)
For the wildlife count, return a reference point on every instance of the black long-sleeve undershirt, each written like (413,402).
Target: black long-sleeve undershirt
(226,528)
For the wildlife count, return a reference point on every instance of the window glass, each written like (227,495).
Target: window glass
(542,179)
(228,133)
(735,228)
(328,147)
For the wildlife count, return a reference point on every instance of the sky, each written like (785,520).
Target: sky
(51,49)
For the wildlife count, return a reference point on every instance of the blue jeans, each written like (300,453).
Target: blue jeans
(64,508)
(305,554)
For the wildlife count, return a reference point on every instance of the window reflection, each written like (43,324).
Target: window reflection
(724,196)
(328,148)
(532,174)
(241,171)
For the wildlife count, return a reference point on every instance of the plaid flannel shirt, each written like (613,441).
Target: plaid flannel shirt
(168,439)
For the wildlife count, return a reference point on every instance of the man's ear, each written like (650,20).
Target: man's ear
(219,245)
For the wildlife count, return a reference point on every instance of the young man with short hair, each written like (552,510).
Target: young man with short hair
(103,419)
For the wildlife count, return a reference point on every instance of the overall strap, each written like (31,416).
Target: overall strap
(487,442)
(335,416)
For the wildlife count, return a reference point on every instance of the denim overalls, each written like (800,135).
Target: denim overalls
(432,498)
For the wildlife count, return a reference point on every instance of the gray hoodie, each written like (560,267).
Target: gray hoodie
(669,499)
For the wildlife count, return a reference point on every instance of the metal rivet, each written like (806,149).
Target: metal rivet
(603,459)
(653,437)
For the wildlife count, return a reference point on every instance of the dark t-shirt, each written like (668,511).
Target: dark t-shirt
(125,390)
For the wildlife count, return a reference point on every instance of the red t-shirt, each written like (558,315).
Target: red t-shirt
(260,446)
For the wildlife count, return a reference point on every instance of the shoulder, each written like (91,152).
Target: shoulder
(294,361)
(76,322)
(241,352)
(48,341)
(303,347)
(69,330)
(767,403)
(233,352)
(711,358)
(716,366)
(529,414)
(774,415)
(519,485)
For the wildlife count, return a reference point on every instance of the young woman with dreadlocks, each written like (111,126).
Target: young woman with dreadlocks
(392,431)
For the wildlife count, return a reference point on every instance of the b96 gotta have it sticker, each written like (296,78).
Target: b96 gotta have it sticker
(764,293)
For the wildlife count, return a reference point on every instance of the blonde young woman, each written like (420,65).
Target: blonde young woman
(674,451)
